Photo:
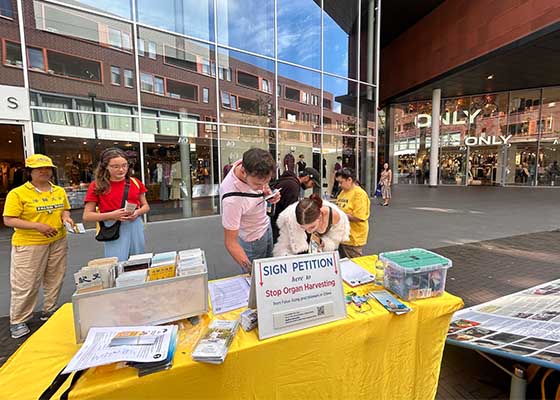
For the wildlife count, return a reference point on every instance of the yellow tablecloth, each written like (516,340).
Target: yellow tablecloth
(368,355)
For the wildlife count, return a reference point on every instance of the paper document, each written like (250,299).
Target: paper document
(353,274)
(97,349)
(229,294)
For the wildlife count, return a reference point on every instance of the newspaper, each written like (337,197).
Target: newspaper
(97,349)
(525,323)
(214,345)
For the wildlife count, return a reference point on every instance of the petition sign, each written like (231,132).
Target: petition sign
(297,292)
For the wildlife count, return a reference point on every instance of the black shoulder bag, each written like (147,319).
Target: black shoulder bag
(110,233)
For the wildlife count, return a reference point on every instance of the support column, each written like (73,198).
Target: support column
(434,147)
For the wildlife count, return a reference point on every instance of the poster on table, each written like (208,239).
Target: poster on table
(297,292)
(525,325)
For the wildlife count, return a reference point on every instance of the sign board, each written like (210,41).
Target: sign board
(14,103)
(297,292)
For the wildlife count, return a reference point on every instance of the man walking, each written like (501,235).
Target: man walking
(247,229)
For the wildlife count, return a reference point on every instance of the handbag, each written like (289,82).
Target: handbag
(110,233)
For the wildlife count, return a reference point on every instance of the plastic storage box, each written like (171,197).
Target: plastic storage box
(415,273)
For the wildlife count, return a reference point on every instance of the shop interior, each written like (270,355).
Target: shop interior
(12,163)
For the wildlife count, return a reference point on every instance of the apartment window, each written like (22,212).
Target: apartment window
(249,80)
(248,106)
(123,123)
(279,90)
(159,86)
(36,58)
(205,95)
(180,58)
(115,75)
(292,94)
(141,47)
(292,116)
(206,67)
(229,100)
(128,78)
(265,86)
(315,100)
(169,125)
(181,90)
(126,41)
(152,50)
(224,73)
(327,103)
(146,82)
(13,54)
(115,38)
(73,67)
(6,8)
(304,98)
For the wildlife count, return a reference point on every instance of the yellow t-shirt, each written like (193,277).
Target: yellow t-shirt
(356,202)
(28,203)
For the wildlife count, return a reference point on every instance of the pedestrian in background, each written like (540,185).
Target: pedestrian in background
(354,201)
(386,181)
(37,210)
(106,193)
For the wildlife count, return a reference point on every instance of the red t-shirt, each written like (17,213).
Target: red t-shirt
(112,200)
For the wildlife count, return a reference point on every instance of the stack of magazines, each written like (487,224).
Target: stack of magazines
(146,368)
(214,345)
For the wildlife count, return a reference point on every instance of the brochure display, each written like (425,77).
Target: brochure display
(369,354)
(297,292)
(524,326)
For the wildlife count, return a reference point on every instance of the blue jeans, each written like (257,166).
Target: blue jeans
(130,241)
(260,248)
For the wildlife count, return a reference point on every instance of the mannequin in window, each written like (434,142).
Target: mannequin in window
(289,162)
(301,164)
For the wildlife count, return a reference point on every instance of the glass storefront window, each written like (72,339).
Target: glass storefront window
(189,17)
(252,31)
(301,147)
(120,8)
(548,173)
(339,35)
(235,140)
(339,105)
(299,32)
(453,131)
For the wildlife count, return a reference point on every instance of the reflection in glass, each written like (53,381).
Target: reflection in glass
(339,105)
(247,25)
(299,98)
(338,32)
(236,140)
(453,130)
(549,149)
(188,17)
(247,98)
(299,32)
(185,81)
(524,108)
(82,25)
(121,8)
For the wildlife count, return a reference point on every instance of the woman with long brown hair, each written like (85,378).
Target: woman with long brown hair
(106,193)
(312,224)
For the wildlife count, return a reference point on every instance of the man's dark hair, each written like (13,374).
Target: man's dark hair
(258,162)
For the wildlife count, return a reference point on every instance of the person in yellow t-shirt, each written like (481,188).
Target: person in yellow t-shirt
(354,201)
(37,210)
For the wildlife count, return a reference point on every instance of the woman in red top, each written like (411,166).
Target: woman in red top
(106,194)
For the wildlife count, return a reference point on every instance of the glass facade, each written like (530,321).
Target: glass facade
(185,87)
(508,138)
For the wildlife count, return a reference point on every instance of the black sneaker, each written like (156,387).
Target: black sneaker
(45,315)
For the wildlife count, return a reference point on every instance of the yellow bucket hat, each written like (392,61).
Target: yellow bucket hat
(38,161)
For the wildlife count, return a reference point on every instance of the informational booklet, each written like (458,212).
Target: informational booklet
(390,303)
(76,228)
(353,274)
(146,368)
(214,345)
(97,349)
(229,294)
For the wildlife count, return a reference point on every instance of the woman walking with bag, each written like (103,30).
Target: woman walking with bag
(385,181)
(37,210)
(121,200)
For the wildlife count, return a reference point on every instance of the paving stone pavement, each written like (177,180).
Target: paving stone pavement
(482,271)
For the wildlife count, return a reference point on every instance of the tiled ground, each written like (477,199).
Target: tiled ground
(481,271)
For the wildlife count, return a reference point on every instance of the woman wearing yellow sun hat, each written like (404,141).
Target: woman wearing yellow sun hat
(37,211)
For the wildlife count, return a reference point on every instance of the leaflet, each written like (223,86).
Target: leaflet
(229,294)
(353,274)
(97,349)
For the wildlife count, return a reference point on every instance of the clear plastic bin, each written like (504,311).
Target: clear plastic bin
(415,273)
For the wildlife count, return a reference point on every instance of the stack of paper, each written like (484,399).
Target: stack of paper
(353,274)
(107,269)
(131,278)
(214,345)
(88,279)
(97,349)
(190,262)
(146,368)
(248,319)
(163,266)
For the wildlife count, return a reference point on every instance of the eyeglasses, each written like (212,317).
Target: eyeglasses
(116,167)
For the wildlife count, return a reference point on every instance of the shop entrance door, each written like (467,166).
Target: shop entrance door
(12,162)
(486,165)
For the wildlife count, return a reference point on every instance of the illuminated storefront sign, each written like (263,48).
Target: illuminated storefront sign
(454,118)
(487,140)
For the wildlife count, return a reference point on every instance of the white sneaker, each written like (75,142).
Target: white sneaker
(19,330)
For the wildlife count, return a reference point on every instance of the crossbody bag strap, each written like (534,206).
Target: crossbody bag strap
(125,194)
(242,194)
